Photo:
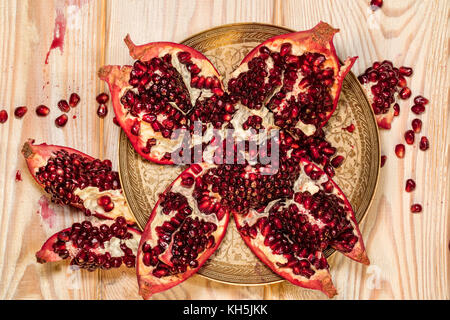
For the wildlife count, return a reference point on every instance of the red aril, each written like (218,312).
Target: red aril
(416,208)
(61,120)
(418,108)
(74,99)
(19,112)
(42,110)
(383,160)
(405,93)
(417,125)
(102,98)
(405,71)
(421,100)
(102,111)
(400,150)
(3,116)
(410,185)
(424,143)
(409,137)
(63,105)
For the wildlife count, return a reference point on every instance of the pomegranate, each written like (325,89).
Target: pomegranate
(76,179)
(296,76)
(383,83)
(289,234)
(184,229)
(93,244)
(168,87)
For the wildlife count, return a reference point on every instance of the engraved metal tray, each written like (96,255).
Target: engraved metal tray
(233,262)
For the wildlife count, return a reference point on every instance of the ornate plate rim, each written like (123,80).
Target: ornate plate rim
(373,119)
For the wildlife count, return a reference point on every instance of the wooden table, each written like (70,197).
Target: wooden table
(409,253)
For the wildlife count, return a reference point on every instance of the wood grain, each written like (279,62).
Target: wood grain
(409,253)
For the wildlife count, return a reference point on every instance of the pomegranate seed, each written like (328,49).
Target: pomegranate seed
(421,100)
(383,160)
(63,106)
(400,150)
(337,161)
(409,137)
(405,93)
(396,108)
(104,201)
(102,111)
(3,116)
(417,125)
(410,185)
(416,208)
(116,122)
(405,71)
(19,112)
(74,99)
(102,98)
(42,110)
(61,120)
(184,57)
(350,128)
(401,82)
(18,176)
(376,4)
(418,108)
(424,143)
(285,49)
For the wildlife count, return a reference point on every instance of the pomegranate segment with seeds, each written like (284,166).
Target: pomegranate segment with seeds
(290,233)
(296,76)
(184,229)
(168,87)
(93,244)
(76,179)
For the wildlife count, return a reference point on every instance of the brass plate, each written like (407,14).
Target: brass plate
(233,262)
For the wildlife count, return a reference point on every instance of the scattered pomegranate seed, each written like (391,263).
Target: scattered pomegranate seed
(102,98)
(400,150)
(376,4)
(42,110)
(3,116)
(416,208)
(18,176)
(401,81)
(424,143)
(405,71)
(74,99)
(405,93)
(116,122)
(396,108)
(63,106)
(409,137)
(61,120)
(410,185)
(417,125)
(420,100)
(418,108)
(19,112)
(350,128)
(383,160)
(102,111)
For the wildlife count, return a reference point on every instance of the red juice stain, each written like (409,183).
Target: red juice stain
(18,176)
(46,213)
(58,33)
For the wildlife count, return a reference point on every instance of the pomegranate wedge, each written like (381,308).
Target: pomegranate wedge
(169,87)
(93,244)
(289,234)
(297,76)
(184,229)
(76,179)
